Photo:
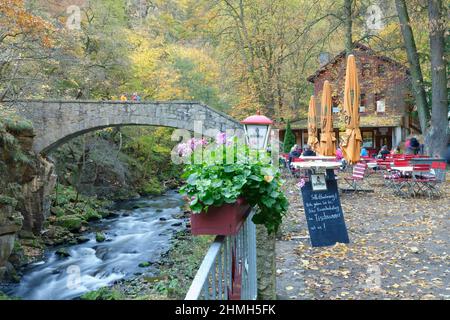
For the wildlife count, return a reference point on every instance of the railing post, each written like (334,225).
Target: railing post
(214,277)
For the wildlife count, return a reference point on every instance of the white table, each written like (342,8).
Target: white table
(403,169)
(319,158)
(372,165)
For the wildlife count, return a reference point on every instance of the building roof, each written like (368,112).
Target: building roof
(342,55)
(370,121)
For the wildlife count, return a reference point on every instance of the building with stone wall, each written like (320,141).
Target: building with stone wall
(386,107)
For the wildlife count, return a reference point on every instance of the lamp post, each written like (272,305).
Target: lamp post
(257,131)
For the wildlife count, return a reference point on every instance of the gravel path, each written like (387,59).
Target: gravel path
(399,249)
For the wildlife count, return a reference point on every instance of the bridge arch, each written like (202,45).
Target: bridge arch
(56,122)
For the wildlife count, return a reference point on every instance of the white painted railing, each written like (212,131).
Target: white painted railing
(228,270)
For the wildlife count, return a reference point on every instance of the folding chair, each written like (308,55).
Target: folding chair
(422,179)
(357,178)
(296,172)
(436,178)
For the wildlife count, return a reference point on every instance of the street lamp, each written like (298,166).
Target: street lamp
(257,131)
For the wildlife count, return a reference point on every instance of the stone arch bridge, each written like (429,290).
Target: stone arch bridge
(56,122)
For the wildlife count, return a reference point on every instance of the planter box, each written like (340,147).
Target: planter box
(224,220)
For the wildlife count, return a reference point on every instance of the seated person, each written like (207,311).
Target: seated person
(307,151)
(295,153)
(364,152)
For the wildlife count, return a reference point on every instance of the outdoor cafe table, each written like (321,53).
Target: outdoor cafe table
(404,169)
(372,165)
(316,165)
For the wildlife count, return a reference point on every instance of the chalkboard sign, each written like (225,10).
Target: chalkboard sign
(324,214)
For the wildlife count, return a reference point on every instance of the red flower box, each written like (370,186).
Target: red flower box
(224,220)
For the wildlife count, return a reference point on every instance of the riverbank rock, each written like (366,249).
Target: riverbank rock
(82,239)
(25,185)
(73,223)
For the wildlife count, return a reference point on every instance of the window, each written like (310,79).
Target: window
(380,103)
(335,104)
(363,102)
(381,69)
(367,137)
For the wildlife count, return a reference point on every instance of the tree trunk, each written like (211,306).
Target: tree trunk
(413,59)
(265,265)
(437,138)
(348,26)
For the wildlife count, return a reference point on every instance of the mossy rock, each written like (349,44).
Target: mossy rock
(152,187)
(72,223)
(100,237)
(104,213)
(57,211)
(103,294)
(145,264)
(92,215)
(9,201)
(62,252)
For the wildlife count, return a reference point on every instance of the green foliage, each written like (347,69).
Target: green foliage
(152,186)
(72,209)
(4,296)
(144,264)
(10,201)
(289,138)
(104,293)
(252,177)
(183,262)
(18,125)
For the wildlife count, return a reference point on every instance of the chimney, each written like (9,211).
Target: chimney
(324,58)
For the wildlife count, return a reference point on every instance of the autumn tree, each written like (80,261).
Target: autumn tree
(25,40)
(433,116)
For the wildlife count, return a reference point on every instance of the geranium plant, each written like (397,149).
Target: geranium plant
(216,181)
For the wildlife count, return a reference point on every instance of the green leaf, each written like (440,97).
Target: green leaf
(256,178)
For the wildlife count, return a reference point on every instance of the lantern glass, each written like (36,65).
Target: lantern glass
(257,136)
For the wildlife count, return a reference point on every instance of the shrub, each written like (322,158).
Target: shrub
(289,138)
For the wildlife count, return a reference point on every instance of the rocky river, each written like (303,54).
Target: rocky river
(136,238)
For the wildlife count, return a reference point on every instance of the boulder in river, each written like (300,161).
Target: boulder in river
(100,237)
(82,239)
(62,252)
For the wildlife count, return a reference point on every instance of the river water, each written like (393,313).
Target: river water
(141,232)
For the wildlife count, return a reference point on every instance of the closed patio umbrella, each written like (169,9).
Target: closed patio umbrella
(327,139)
(312,125)
(351,143)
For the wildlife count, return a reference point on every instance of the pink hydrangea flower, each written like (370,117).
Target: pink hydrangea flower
(301,183)
(221,138)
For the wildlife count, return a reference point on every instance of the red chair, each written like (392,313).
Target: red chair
(438,170)
(295,171)
(401,163)
(422,179)
(384,165)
